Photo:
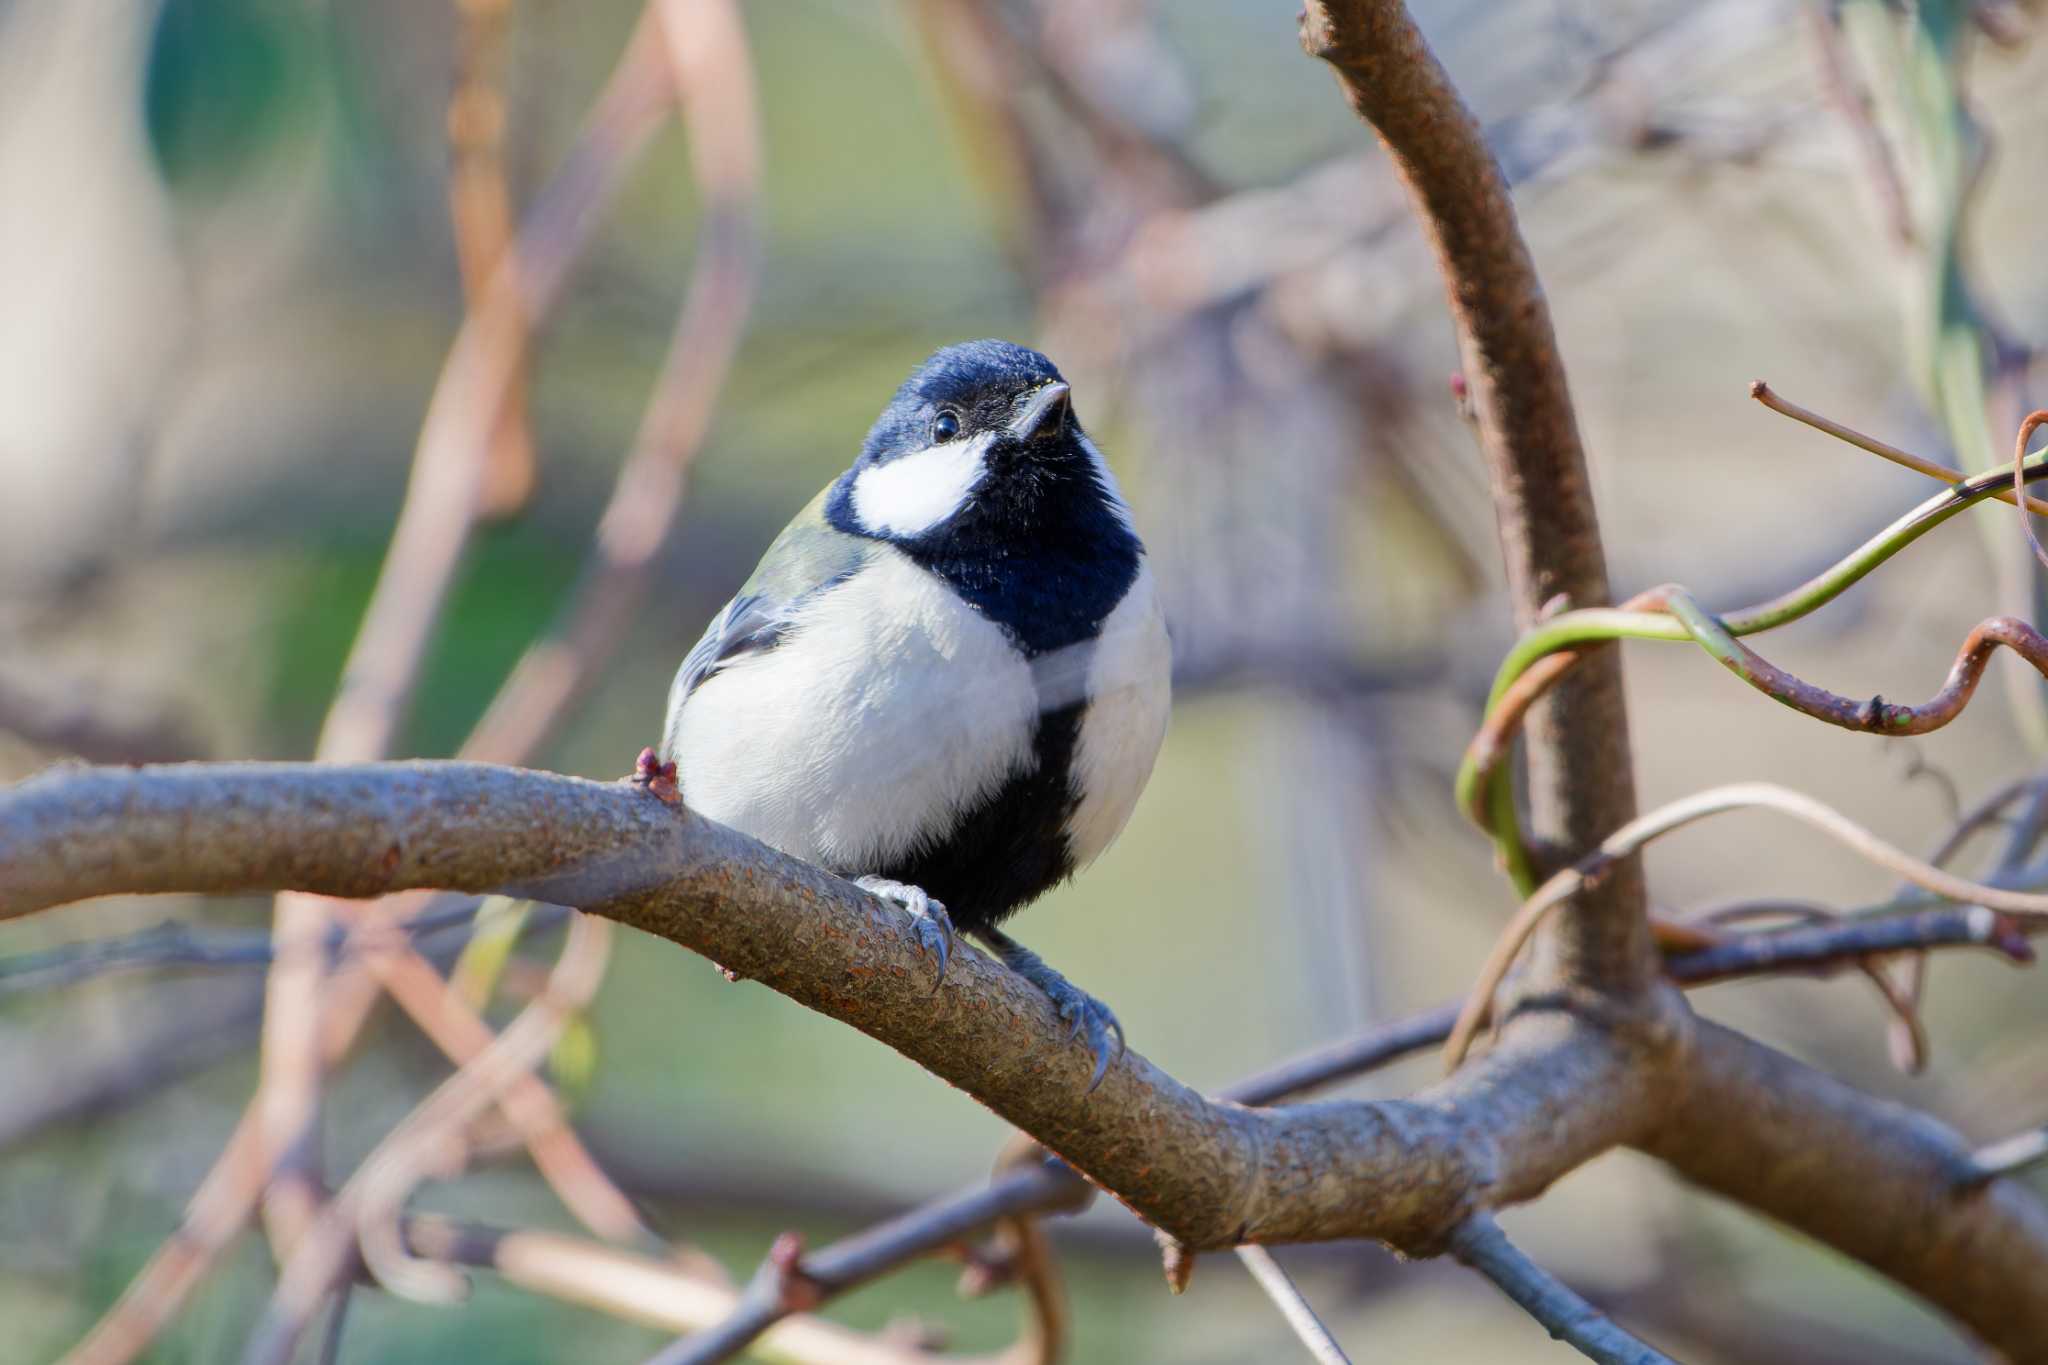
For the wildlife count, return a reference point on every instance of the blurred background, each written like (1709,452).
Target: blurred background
(228,279)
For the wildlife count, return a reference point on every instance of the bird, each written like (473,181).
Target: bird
(949,677)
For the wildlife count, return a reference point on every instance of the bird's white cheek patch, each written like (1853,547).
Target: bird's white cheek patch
(914,493)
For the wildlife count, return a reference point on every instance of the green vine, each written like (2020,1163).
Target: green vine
(1482,786)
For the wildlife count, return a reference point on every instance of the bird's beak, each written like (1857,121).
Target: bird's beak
(1045,410)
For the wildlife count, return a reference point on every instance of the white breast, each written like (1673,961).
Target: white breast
(1130,679)
(891,707)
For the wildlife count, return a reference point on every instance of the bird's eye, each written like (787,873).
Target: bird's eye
(945,426)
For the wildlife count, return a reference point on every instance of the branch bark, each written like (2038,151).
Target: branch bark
(1581,784)
(1882,1183)
(1209,1173)
(1566,1316)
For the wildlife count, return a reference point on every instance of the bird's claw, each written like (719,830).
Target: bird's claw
(1079,1010)
(928,917)
(1083,1011)
(657,777)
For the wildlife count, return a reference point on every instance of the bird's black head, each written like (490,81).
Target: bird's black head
(980,473)
(979,445)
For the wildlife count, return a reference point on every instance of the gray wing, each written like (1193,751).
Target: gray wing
(809,557)
(750,624)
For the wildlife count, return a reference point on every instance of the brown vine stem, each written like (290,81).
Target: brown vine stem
(1870,715)
(1919,464)
(1533,676)
(2029,424)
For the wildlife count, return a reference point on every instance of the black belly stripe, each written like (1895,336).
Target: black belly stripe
(1012,848)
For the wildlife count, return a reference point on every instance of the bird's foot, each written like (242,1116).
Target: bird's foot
(1082,1012)
(657,777)
(934,927)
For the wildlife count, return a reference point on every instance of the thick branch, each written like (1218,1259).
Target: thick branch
(1209,1173)
(1581,784)
(1874,1180)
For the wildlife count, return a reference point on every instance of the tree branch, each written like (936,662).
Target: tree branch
(130,731)
(1825,946)
(1580,780)
(1024,1189)
(642,1289)
(1210,1174)
(1287,1297)
(1876,1181)
(1886,1186)
(1479,1243)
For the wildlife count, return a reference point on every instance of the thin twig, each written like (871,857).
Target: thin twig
(528,1103)
(1858,111)
(1480,1244)
(1022,1238)
(337,1323)
(2011,1155)
(1332,1062)
(710,69)
(58,717)
(1833,944)
(1919,464)
(480,210)
(365,1211)
(713,74)
(442,500)
(173,944)
(653,1292)
(1906,1043)
(1631,837)
(789,1281)
(1907,1036)
(1286,1296)
(365,710)
(213,1219)
(2028,425)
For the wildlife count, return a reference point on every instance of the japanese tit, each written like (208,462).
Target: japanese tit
(949,677)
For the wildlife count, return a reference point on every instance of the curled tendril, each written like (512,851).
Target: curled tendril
(1553,648)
